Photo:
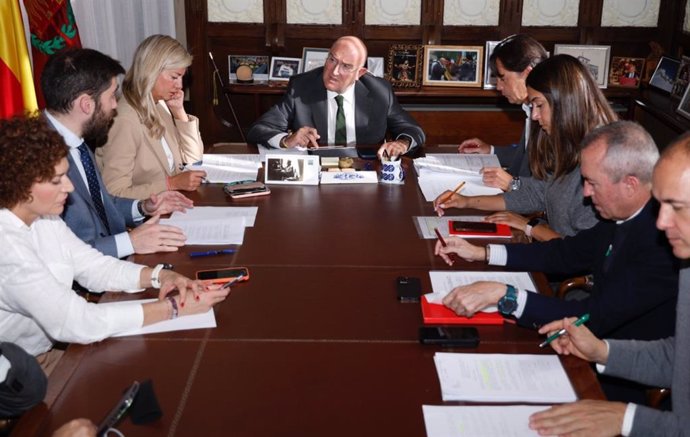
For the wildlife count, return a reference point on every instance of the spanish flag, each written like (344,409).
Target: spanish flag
(17,93)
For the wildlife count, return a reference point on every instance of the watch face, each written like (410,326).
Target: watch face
(507,306)
(515,184)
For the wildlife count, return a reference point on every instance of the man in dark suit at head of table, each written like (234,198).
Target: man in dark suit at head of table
(511,61)
(338,104)
(635,273)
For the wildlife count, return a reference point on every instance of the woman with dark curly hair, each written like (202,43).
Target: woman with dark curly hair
(41,257)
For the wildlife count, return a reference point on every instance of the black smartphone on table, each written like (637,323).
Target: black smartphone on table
(462,226)
(408,288)
(119,410)
(451,336)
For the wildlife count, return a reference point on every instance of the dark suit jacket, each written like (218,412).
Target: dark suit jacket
(304,104)
(514,158)
(81,216)
(635,298)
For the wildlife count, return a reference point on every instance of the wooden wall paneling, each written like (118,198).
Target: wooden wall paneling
(432,22)
(589,20)
(510,18)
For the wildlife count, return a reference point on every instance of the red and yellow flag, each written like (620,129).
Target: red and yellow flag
(17,93)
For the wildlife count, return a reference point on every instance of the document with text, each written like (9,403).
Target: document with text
(443,281)
(473,421)
(217,213)
(433,184)
(228,168)
(211,231)
(503,378)
(456,162)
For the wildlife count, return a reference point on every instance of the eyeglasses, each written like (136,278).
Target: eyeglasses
(346,68)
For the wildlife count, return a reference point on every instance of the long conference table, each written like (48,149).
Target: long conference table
(314,344)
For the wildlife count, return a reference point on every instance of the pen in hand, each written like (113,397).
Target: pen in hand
(233,282)
(455,191)
(443,243)
(555,335)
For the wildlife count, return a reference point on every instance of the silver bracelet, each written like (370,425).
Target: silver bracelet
(155,280)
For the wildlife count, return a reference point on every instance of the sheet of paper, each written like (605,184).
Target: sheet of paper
(425,224)
(456,162)
(443,281)
(224,175)
(238,161)
(473,421)
(433,184)
(263,151)
(349,177)
(503,378)
(211,231)
(196,321)
(217,213)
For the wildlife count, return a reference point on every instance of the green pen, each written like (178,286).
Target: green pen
(554,336)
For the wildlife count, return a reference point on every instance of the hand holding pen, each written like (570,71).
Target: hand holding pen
(579,340)
(446,200)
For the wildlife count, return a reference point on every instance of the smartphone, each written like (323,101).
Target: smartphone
(461,226)
(450,336)
(221,276)
(408,288)
(119,410)
(246,189)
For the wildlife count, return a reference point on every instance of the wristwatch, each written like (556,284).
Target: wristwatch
(515,183)
(531,224)
(508,303)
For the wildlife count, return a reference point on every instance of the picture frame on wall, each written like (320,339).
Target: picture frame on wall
(684,105)
(313,57)
(664,75)
(257,64)
(682,78)
(458,66)
(282,69)
(490,77)
(626,72)
(595,58)
(374,66)
(404,65)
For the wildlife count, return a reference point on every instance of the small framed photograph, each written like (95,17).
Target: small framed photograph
(257,64)
(665,74)
(375,66)
(313,57)
(681,82)
(292,169)
(684,106)
(282,69)
(595,58)
(489,76)
(626,72)
(404,65)
(458,66)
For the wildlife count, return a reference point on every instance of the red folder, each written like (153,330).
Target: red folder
(435,314)
(502,231)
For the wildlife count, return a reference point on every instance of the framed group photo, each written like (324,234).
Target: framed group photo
(404,65)
(458,66)
(626,72)
(282,69)
(665,74)
(595,58)
(313,57)
(681,82)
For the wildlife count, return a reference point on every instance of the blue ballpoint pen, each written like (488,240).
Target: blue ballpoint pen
(554,336)
(212,253)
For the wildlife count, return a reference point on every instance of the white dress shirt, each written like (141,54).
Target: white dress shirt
(122,240)
(37,305)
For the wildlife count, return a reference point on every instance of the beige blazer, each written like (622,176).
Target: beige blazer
(133,163)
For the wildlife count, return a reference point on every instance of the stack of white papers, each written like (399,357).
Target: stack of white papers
(440,172)
(444,281)
(213,225)
(473,421)
(503,378)
(229,168)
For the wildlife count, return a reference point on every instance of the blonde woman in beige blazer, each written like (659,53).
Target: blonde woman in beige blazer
(152,135)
